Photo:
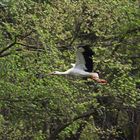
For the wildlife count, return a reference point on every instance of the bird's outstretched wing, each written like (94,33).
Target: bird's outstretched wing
(84,58)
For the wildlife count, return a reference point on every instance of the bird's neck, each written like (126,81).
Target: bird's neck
(60,73)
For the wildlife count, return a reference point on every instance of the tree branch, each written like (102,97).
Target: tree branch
(3,52)
(8,47)
(62,127)
(25,35)
(30,47)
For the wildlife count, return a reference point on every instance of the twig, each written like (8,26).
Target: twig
(61,128)
(9,46)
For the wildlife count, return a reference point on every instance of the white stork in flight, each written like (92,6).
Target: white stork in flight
(83,66)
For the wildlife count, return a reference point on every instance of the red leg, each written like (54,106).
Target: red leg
(102,81)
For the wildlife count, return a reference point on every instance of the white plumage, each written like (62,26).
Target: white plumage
(83,66)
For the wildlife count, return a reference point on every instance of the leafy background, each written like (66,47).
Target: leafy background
(40,36)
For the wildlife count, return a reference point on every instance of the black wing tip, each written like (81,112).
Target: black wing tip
(87,48)
(88,53)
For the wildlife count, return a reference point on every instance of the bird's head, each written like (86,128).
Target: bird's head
(54,73)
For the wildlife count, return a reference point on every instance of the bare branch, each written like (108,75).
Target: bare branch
(5,54)
(62,127)
(9,46)
(25,45)
(25,35)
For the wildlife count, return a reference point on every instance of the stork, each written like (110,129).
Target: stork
(83,66)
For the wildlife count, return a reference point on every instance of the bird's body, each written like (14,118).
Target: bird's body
(83,66)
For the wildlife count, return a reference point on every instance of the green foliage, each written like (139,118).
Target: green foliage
(38,37)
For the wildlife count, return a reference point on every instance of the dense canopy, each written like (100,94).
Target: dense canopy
(40,36)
